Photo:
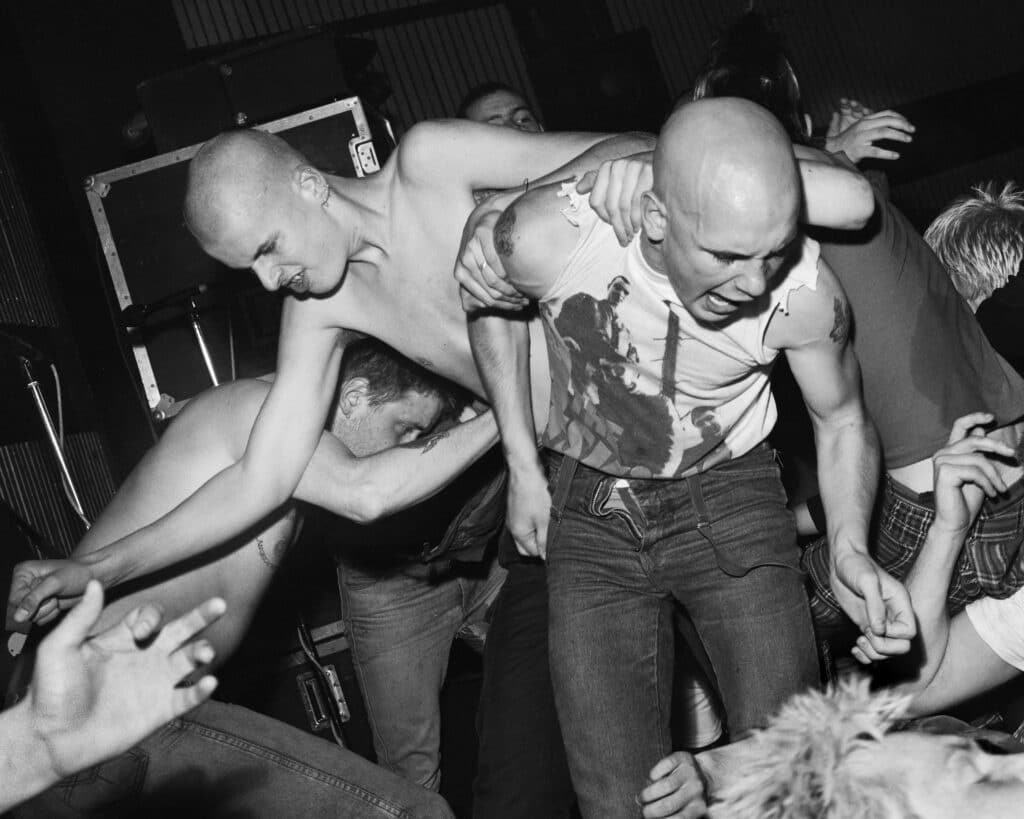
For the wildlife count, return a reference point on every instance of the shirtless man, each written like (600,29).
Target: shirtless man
(701,521)
(361,471)
(373,255)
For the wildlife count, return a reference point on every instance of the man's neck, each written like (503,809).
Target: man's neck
(362,208)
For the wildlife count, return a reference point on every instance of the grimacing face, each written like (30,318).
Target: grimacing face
(369,429)
(506,109)
(287,239)
(946,777)
(722,258)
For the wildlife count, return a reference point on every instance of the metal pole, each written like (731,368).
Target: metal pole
(193,315)
(51,434)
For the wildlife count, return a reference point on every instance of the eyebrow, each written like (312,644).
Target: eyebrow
(730,254)
(266,247)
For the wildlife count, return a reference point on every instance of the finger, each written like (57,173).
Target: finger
(477,291)
(586,184)
(893,119)
(542,537)
(144,621)
(871,591)
(860,656)
(191,655)
(964,424)
(75,627)
(867,651)
(686,801)
(965,469)
(833,125)
(185,699)
(599,193)
(526,545)
(900,621)
(886,646)
(177,632)
(977,441)
(666,765)
(874,152)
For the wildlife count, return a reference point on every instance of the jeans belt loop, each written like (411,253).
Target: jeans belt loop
(697,499)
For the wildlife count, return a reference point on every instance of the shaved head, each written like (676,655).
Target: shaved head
(724,152)
(232,175)
(722,214)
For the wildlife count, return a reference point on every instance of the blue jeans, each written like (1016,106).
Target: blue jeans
(401,625)
(620,555)
(222,760)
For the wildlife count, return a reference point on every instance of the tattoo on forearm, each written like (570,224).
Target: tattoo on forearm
(428,443)
(841,326)
(503,231)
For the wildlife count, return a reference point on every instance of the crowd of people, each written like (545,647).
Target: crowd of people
(620,303)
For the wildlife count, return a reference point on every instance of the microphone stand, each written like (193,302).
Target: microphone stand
(44,416)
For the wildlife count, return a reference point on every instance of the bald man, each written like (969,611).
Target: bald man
(662,486)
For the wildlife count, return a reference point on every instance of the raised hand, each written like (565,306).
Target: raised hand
(854,130)
(483,283)
(616,191)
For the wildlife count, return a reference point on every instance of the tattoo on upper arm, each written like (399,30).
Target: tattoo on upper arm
(428,443)
(840,331)
(503,231)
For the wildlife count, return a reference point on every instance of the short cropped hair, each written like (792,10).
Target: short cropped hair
(797,766)
(478,92)
(980,239)
(390,376)
(749,60)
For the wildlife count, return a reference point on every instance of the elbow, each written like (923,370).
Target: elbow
(862,207)
(366,505)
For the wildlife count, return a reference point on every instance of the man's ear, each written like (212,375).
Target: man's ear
(654,216)
(353,392)
(312,184)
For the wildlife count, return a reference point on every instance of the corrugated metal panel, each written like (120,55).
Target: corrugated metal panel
(205,23)
(25,295)
(878,51)
(433,62)
(30,484)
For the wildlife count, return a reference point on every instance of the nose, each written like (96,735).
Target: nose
(753,278)
(267,274)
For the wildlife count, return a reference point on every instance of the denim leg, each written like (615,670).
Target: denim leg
(401,630)
(521,768)
(739,578)
(223,760)
(479,591)
(611,650)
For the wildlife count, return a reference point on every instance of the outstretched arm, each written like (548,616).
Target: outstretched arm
(835,195)
(282,441)
(957,662)
(815,335)
(365,489)
(91,699)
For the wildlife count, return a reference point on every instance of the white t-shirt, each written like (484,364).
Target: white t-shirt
(1000,623)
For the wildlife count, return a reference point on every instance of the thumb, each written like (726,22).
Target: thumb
(586,184)
(75,627)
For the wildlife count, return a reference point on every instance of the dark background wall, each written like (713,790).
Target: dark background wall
(71,70)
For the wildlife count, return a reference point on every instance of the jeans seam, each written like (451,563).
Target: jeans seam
(295,766)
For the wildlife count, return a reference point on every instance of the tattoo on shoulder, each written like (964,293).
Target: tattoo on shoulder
(428,443)
(843,318)
(503,231)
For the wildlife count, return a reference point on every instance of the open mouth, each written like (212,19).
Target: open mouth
(298,283)
(720,304)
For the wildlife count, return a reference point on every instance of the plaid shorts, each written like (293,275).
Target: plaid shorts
(990,565)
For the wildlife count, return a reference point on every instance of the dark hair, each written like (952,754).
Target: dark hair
(390,375)
(750,61)
(478,92)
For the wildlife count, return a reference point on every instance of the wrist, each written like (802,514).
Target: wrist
(27,766)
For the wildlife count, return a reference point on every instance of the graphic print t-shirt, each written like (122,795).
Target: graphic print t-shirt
(639,388)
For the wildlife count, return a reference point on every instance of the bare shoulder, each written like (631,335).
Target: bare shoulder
(534,238)
(814,315)
(425,148)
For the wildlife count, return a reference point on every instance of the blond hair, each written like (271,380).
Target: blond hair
(980,239)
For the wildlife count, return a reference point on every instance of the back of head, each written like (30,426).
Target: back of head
(235,171)
(980,239)
(749,60)
(799,766)
(390,376)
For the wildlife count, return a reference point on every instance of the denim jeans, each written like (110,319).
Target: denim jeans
(222,760)
(621,553)
(521,772)
(401,625)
